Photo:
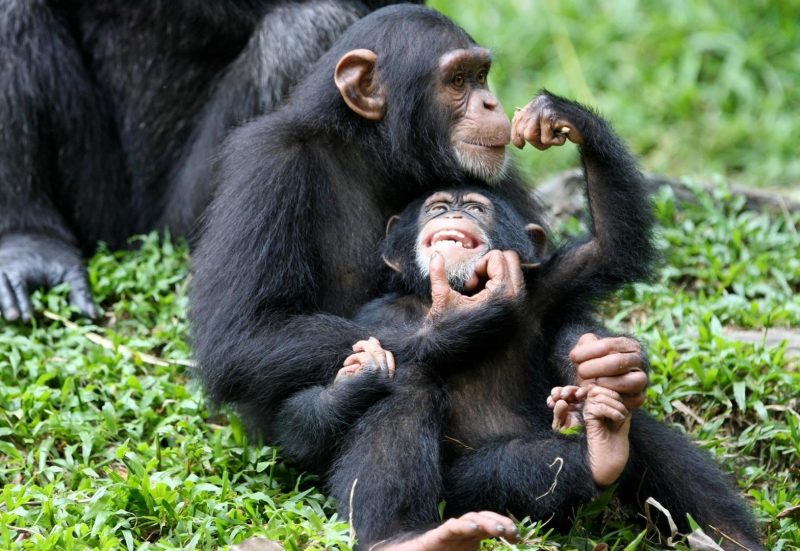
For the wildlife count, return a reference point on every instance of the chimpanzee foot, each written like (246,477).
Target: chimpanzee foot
(458,534)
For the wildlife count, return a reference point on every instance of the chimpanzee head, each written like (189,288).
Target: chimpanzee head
(462,225)
(411,88)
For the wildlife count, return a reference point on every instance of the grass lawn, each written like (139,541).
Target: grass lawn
(105,443)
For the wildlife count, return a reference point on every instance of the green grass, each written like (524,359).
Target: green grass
(697,87)
(102,446)
(99,448)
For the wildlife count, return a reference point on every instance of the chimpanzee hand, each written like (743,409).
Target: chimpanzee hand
(369,357)
(28,261)
(607,423)
(566,403)
(498,271)
(543,124)
(616,363)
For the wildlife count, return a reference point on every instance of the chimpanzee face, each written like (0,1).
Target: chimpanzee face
(456,225)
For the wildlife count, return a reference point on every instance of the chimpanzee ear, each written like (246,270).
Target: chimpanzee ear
(392,221)
(357,82)
(538,237)
(392,264)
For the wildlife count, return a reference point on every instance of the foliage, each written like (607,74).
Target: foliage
(697,87)
(101,449)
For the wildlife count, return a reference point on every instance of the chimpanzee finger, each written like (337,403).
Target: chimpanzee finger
(597,409)
(348,371)
(609,366)
(80,294)
(634,401)
(377,354)
(495,265)
(352,359)
(391,364)
(491,523)
(440,286)
(533,132)
(546,131)
(560,414)
(359,346)
(8,303)
(20,289)
(609,398)
(571,393)
(515,270)
(630,383)
(597,348)
(516,127)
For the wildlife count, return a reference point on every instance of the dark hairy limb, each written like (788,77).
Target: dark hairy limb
(664,464)
(618,249)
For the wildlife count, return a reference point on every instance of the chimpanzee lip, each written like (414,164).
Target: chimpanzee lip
(485,145)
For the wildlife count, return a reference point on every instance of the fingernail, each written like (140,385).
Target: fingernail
(501,528)
(473,525)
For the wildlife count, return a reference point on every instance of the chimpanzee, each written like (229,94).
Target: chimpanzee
(111,112)
(468,419)
(397,107)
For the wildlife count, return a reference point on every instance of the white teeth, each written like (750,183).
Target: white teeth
(454,233)
(448,243)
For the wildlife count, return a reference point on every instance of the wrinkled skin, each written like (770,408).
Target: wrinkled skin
(30,261)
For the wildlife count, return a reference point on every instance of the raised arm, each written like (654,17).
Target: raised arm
(619,248)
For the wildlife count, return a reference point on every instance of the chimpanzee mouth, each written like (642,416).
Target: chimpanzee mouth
(498,147)
(452,238)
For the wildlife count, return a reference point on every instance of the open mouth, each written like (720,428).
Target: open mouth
(445,238)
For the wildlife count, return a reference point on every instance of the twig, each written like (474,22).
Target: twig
(350,513)
(560,461)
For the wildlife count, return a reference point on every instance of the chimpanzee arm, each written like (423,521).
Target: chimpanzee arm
(444,344)
(257,336)
(619,249)
(54,153)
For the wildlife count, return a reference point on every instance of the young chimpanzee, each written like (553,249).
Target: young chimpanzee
(468,420)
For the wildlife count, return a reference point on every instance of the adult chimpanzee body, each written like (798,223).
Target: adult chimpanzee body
(289,248)
(467,421)
(111,112)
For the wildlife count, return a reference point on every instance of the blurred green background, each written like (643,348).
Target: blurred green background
(696,87)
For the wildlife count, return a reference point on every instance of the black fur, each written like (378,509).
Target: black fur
(467,422)
(290,251)
(111,113)
(295,228)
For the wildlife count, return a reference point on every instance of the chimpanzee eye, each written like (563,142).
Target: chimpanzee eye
(437,207)
(475,207)
(482,75)
(458,80)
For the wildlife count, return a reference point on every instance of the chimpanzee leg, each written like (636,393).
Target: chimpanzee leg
(61,169)
(283,48)
(665,465)
(389,469)
(541,474)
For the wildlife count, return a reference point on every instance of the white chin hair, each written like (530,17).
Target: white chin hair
(458,273)
(486,170)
